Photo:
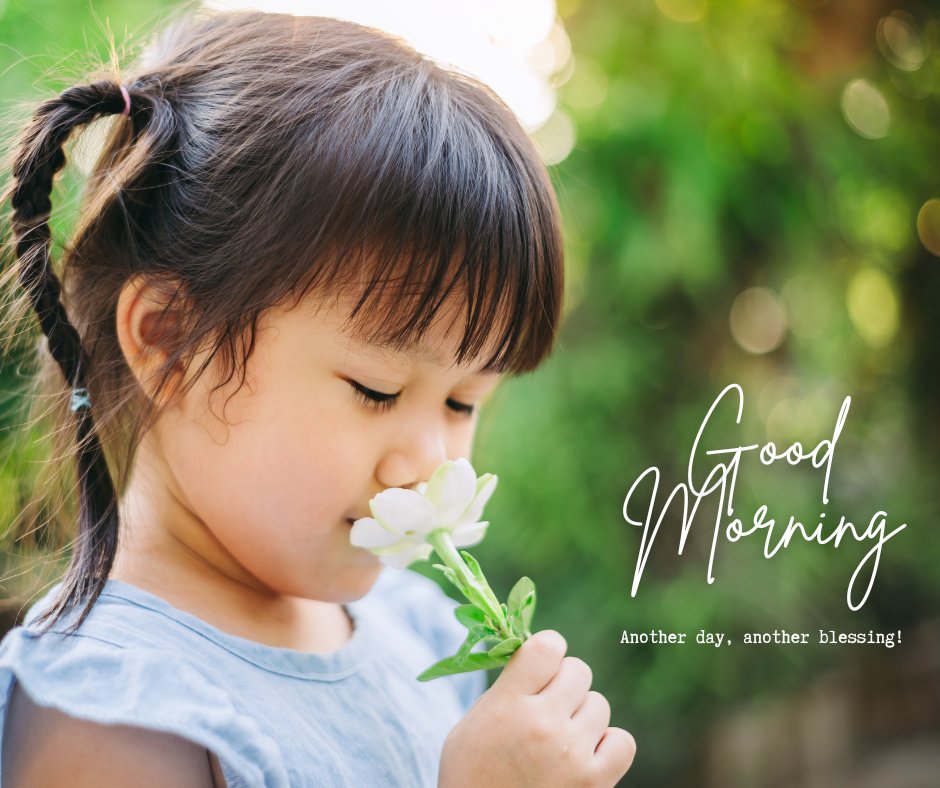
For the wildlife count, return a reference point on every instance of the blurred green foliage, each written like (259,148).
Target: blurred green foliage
(713,156)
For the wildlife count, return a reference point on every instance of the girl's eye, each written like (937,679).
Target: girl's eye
(374,399)
(460,407)
(382,402)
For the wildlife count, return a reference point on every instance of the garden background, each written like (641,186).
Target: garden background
(751,194)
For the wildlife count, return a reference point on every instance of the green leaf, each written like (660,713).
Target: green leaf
(451,665)
(470,616)
(474,636)
(506,648)
(450,575)
(528,610)
(517,628)
(518,594)
(473,566)
(521,606)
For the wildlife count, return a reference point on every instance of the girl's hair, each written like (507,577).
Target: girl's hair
(265,156)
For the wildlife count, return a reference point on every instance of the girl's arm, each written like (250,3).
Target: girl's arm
(44,748)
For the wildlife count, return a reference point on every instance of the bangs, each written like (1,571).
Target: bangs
(425,188)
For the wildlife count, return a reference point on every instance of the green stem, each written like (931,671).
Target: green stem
(443,545)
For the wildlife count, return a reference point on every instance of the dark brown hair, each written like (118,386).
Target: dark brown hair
(265,156)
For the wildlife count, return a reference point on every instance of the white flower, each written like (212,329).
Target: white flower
(452,499)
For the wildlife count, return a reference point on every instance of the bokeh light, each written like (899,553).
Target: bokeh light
(555,139)
(928,226)
(682,10)
(758,321)
(873,305)
(866,109)
(588,84)
(899,42)
(797,414)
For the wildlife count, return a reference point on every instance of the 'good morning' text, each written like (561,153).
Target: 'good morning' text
(721,480)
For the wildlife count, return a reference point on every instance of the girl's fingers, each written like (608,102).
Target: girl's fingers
(533,665)
(592,717)
(614,754)
(570,685)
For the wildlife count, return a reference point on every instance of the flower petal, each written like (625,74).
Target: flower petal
(402,511)
(369,533)
(485,486)
(402,558)
(451,489)
(469,535)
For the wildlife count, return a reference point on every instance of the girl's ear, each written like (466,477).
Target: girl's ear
(146,330)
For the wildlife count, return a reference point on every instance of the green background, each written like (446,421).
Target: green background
(712,156)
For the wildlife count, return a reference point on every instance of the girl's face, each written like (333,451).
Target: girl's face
(268,495)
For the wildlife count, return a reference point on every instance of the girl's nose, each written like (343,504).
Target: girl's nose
(413,459)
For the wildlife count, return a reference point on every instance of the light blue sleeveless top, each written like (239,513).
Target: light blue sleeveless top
(275,717)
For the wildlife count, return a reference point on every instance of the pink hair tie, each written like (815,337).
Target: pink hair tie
(127,101)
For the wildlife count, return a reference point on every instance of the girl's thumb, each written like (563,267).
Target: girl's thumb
(533,665)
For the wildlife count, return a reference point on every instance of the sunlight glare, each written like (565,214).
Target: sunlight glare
(514,47)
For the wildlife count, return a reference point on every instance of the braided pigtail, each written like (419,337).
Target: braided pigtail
(38,160)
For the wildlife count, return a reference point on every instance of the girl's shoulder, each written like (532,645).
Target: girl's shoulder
(137,660)
(112,671)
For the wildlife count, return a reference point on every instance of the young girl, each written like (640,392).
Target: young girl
(369,242)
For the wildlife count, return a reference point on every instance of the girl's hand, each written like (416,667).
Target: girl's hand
(538,725)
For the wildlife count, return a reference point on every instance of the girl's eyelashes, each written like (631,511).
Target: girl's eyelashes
(461,407)
(383,402)
(374,399)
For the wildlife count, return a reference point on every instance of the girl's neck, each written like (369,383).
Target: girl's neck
(175,568)
(307,625)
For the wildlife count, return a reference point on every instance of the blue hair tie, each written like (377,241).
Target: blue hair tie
(80,399)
